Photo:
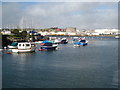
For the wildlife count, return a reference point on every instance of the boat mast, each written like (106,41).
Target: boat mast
(21,23)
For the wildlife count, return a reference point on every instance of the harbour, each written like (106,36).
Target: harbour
(59,45)
(91,66)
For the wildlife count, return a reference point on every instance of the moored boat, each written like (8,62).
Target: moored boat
(57,41)
(64,41)
(81,42)
(25,47)
(48,45)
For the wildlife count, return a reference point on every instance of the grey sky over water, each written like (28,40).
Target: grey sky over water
(83,15)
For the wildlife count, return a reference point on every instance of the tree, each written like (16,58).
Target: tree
(15,31)
(24,33)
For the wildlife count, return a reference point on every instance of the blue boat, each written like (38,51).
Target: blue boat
(81,43)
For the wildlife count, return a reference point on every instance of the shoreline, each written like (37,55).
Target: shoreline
(86,35)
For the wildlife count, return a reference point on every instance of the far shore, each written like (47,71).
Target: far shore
(87,35)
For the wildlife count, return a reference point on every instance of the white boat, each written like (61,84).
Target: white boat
(117,37)
(64,41)
(56,41)
(25,47)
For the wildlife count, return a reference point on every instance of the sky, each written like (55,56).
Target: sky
(82,15)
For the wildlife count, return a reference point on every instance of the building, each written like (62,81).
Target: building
(70,29)
(4,32)
(107,31)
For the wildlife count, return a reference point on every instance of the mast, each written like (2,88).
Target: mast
(21,23)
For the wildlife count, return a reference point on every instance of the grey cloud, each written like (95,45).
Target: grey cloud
(11,13)
(80,15)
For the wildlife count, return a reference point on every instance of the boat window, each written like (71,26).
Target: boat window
(32,44)
(19,44)
(27,44)
(14,44)
(23,45)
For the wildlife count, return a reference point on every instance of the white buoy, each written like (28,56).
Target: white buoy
(5,48)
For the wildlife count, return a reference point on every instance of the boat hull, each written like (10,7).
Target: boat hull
(83,44)
(76,45)
(22,50)
(80,44)
(48,47)
(63,42)
(12,47)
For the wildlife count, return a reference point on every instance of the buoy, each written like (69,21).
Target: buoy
(40,50)
(8,52)
(5,48)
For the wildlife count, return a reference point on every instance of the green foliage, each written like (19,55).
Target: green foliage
(19,34)
(15,31)
(56,31)
(24,33)
(46,37)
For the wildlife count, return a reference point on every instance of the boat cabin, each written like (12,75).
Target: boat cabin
(25,45)
(83,41)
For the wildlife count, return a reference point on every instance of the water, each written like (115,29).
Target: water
(92,66)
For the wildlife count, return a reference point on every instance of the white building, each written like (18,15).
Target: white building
(6,32)
(94,33)
(44,33)
(106,31)
(71,33)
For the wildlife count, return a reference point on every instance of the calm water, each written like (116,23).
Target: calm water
(92,66)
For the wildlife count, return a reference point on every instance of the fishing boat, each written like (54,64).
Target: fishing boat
(13,45)
(47,45)
(25,47)
(64,41)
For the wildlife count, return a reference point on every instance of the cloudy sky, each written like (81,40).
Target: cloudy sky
(82,15)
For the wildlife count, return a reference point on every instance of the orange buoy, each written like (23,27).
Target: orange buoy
(40,50)
(41,44)
(8,52)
